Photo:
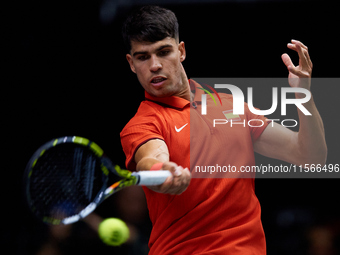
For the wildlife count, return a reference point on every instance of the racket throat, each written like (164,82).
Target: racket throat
(85,212)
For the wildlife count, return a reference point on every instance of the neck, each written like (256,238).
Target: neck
(185,91)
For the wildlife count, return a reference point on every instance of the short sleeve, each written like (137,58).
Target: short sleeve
(138,131)
(257,123)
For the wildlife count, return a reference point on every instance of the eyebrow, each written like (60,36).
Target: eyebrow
(158,49)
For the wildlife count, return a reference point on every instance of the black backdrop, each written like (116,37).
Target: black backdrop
(66,74)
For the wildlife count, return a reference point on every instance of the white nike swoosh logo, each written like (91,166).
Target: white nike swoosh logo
(180,129)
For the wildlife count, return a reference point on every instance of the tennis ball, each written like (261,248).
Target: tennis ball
(113,231)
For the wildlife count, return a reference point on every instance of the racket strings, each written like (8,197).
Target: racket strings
(64,180)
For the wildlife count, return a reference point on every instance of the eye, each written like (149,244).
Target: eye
(164,52)
(143,57)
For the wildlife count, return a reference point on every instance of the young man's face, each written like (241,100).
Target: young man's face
(159,66)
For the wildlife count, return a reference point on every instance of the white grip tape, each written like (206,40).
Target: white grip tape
(150,178)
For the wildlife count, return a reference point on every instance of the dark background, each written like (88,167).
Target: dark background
(65,74)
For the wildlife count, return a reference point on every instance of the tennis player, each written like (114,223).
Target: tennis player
(211,215)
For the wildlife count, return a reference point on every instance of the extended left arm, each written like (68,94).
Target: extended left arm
(308,146)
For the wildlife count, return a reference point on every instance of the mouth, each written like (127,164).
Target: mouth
(158,80)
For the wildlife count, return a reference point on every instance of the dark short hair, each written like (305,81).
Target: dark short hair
(150,24)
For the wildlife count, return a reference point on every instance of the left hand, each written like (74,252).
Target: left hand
(299,76)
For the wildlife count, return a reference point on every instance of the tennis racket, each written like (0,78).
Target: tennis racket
(67,178)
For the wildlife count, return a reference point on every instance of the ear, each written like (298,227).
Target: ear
(181,48)
(130,60)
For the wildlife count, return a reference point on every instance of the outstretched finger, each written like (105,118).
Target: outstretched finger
(300,43)
(303,56)
(295,46)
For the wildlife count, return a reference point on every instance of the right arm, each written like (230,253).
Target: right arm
(156,151)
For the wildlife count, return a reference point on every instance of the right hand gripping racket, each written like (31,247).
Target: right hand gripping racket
(67,178)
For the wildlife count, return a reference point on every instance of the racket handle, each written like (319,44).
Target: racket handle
(150,178)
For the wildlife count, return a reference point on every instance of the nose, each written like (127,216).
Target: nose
(155,64)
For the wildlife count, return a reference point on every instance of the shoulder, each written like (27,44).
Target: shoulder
(225,97)
(148,117)
(228,99)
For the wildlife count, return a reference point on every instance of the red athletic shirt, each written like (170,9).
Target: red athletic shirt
(214,215)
